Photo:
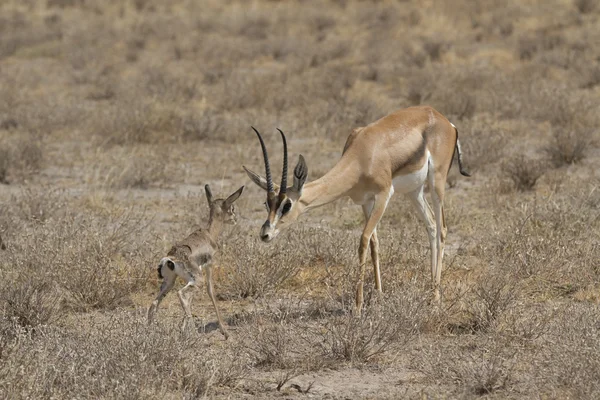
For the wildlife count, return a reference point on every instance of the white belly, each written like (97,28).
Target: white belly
(411,182)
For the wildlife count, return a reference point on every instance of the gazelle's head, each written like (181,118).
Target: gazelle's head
(283,205)
(223,209)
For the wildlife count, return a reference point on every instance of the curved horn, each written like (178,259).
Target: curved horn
(267,166)
(283,187)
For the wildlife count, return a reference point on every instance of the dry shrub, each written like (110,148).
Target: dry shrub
(276,337)
(534,246)
(482,367)
(567,146)
(524,172)
(437,86)
(139,168)
(134,121)
(477,138)
(120,358)
(274,346)
(4,165)
(102,280)
(585,6)
(384,327)
(37,205)
(347,113)
(301,336)
(20,158)
(29,302)
(207,125)
(434,48)
(570,359)
(253,269)
(82,256)
(540,42)
(493,295)
(573,123)
(168,87)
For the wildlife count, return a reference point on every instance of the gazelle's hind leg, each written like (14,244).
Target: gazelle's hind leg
(426,215)
(436,185)
(374,243)
(166,286)
(444,232)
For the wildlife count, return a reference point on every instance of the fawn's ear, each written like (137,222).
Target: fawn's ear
(208,193)
(229,201)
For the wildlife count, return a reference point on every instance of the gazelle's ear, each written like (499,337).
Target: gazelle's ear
(259,180)
(208,193)
(300,174)
(229,201)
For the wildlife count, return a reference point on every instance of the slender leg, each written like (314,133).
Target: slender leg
(437,195)
(211,294)
(374,242)
(379,206)
(444,232)
(436,185)
(165,287)
(185,296)
(375,259)
(426,214)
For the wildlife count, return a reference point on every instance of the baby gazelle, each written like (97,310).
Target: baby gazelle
(187,258)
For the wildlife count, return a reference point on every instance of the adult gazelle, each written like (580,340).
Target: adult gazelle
(397,153)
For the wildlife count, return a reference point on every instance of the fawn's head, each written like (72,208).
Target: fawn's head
(223,209)
(283,207)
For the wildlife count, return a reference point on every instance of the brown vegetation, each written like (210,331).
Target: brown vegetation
(114,114)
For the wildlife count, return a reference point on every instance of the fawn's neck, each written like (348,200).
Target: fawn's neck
(215,226)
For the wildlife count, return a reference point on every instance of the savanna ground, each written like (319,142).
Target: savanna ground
(114,114)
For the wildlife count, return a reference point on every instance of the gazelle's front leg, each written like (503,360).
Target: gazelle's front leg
(211,294)
(379,206)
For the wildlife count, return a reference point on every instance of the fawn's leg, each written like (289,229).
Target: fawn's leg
(165,287)
(211,294)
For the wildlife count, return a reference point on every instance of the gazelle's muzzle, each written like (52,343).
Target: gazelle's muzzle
(268,232)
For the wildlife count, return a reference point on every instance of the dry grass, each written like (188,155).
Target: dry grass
(113,116)
(524,172)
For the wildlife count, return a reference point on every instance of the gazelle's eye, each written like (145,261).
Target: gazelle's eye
(286,208)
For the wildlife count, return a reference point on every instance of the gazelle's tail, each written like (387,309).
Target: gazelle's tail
(459,155)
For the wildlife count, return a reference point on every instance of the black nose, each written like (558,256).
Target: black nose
(264,236)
